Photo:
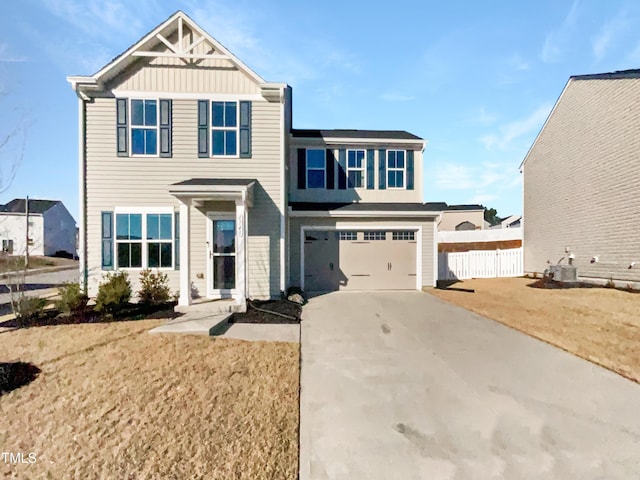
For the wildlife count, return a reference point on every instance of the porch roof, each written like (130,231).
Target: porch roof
(222,189)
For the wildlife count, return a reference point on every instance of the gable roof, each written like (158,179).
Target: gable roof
(352,133)
(617,75)
(150,40)
(17,205)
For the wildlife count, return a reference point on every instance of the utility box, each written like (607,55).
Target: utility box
(564,273)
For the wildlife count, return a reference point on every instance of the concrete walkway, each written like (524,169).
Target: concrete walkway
(202,323)
(406,386)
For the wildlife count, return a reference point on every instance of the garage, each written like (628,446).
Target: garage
(380,259)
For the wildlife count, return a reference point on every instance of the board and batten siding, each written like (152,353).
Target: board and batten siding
(355,194)
(581,182)
(143,182)
(428,253)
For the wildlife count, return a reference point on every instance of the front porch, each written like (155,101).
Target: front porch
(223,204)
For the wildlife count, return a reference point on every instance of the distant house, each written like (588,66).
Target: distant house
(52,229)
(460,217)
(512,221)
(580,180)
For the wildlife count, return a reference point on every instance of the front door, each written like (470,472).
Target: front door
(222,256)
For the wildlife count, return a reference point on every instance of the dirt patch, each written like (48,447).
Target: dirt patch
(113,401)
(258,312)
(599,324)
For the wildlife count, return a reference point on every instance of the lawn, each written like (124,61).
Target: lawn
(13,263)
(114,401)
(599,324)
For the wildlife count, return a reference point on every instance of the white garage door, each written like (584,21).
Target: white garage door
(360,260)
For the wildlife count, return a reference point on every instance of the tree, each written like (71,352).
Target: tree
(491,216)
(12,146)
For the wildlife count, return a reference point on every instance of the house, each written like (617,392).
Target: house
(51,228)
(512,221)
(190,164)
(580,176)
(461,217)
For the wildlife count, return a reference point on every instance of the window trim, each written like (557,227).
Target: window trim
(362,170)
(143,127)
(224,129)
(396,169)
(307,169)
(144,211)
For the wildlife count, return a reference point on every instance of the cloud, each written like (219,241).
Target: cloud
(482,117)
(396,97)
(512,131)
(608,34)
(555,42)
(7,57)
(517,62)
(483,199)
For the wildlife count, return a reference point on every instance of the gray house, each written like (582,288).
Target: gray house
(581,194)
(191,165)
(51,227)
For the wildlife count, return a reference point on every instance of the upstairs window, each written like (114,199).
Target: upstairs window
(395,168)
(224,129)
(355,168)
(316,168)
(144,127)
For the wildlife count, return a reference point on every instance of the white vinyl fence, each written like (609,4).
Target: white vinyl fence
(481,264)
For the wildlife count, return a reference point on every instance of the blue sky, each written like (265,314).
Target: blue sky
(476,79)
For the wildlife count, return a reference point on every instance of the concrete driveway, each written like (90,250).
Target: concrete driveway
(406,386)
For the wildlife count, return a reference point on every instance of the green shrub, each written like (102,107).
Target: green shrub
(114,293)
(26,308)
(72,299)
(154,288)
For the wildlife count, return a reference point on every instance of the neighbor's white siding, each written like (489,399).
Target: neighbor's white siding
(13,226)
(429,246)
(581,181)
(59,231)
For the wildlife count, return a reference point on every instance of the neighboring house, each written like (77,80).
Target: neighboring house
(52,229)
(512,221)
(581,194)
(461,217)
(190,165)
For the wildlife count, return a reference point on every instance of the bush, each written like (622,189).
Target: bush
(610,283)
(71,298)
(154,288)
(114,293)
(16,374)
(26,308)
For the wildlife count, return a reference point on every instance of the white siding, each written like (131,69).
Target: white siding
(13,227)
(59,231)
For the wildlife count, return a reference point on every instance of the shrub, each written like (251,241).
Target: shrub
(114,293)
(29,307)
(71,298)
(154,288)
(610,283)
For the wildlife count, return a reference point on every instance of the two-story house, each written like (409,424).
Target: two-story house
(189,164)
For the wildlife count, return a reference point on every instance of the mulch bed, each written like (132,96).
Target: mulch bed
(280,306)
(550,284)
(16,374)
(132,311)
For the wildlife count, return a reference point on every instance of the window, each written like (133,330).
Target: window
(349,236)
(316,168)
(224,129)
(395,168)
(7,246)
(355,168)
(154,249)
(375,235)
(404,235)
(144,127)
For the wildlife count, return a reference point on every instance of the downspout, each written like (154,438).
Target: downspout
(82,176)
(283,135)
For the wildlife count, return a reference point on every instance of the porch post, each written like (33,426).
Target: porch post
(185,250)
(241,233)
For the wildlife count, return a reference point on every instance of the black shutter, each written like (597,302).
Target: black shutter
(107,240)
(176,238)
(331,169)
(245,129)
(122,128)
(370,170)
(203,128)
(382,169)
(342,169)
(165,128)
(302,168)
(409,169)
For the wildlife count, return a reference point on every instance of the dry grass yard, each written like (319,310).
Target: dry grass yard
(599,324)
(114,401)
